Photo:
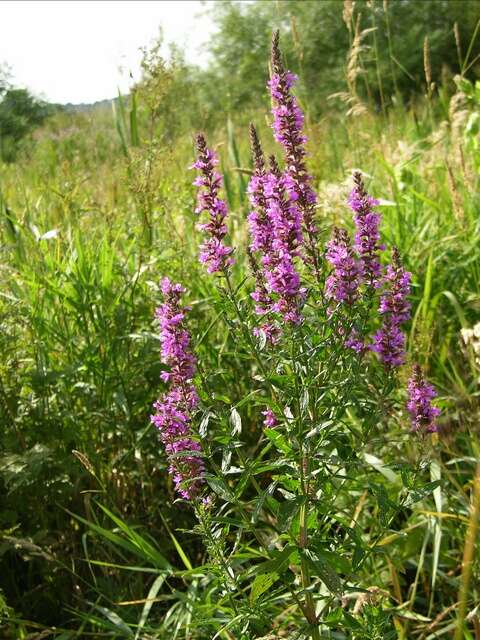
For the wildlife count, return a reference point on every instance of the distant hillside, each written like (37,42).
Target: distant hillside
(85,107)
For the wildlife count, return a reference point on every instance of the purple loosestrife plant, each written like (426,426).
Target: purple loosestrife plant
(320,392)
(281,275)
(367,236)
(288,121)
(173,410)
(389,344)
(261,240)
(213,252)
(343,283)
(389,340)
(395,300)
(260,228)
(275,230)
(423,414)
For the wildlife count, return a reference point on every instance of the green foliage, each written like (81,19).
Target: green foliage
(319,37)
(20,114)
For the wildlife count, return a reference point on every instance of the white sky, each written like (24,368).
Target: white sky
(72,51)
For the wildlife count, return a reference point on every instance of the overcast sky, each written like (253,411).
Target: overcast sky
(72,51)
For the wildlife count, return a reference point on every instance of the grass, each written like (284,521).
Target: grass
(90,221)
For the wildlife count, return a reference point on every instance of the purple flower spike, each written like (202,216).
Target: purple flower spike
(367,237)
(173,410)
(275,228)
(389,341)
(288,123)
(281,275)
(342,284)
(260,228)
(213,252)
(394,301)
(423,415)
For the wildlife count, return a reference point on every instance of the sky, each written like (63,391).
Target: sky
(83,51)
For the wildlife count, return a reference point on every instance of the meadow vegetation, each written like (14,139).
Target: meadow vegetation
(96,207)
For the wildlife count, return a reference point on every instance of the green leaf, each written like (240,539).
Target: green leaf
(140,542)
(260,501)
(178,547)
(420,493)
(116,621)
(152,594)
(324,571)
(377,464)
(278,563)
(278,439)
(220,488)
(262,583)
(286,513)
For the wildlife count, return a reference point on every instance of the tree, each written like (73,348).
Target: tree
(20,114)
(317,37)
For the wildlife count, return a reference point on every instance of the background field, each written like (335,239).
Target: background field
(96,206)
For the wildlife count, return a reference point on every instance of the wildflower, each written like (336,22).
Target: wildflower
(394,301)
(270,420)
(281,275)
(283,213)
(355,342)
(261,240)
(342,284)
(423,415)
(173,410)
(389,341)
(260,228)
(288,120)
(275,230)
(213,252)
(264,304)
(367,236)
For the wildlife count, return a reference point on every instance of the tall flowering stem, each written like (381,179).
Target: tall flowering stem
(389,341)
(213,252)
(260,229)
(423,414)
(260,237)
(281,274)
(288,121)
(275,229)
(174,409)
(343,283)
(367,236)
(395,301)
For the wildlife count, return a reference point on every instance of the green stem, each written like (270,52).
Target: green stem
(247,334)
(309,608)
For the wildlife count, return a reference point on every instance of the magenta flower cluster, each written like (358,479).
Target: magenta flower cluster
(174,409)
(276,235)
(389,340)
(270,420)
(423,414)
(343,282)
(367,236)
(213,252)
(288,122)
(357,266)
